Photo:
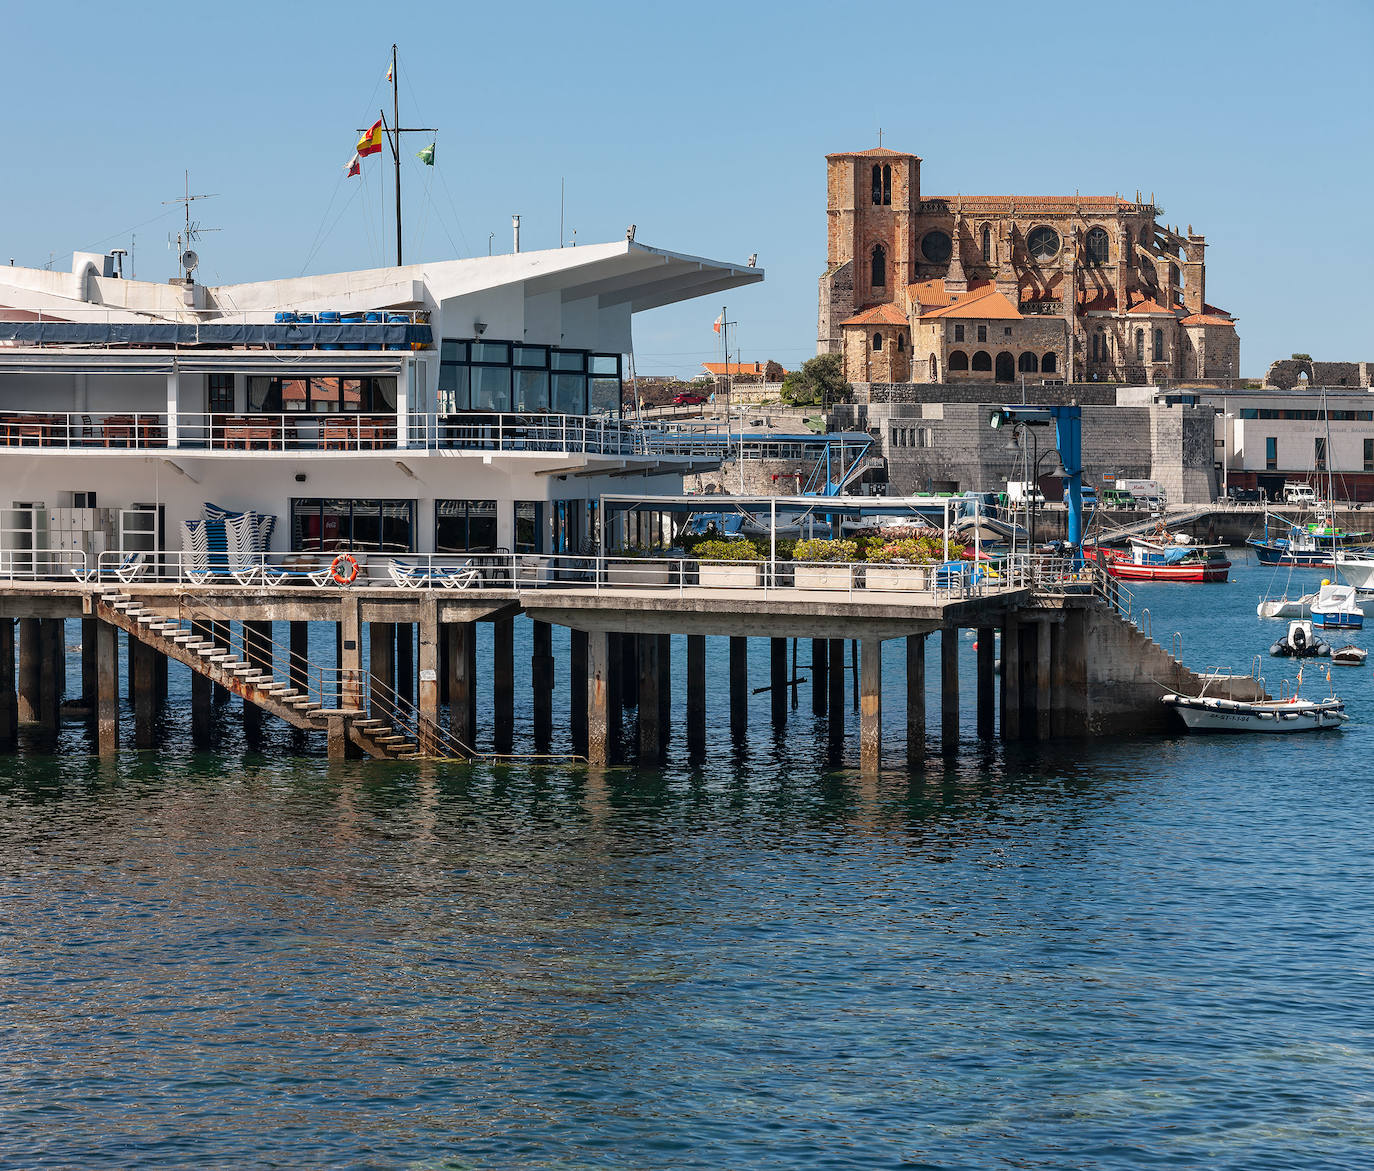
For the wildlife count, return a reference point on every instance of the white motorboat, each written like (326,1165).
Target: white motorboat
(1203,714)
(1286,607)
(1357,567)
(1337,607)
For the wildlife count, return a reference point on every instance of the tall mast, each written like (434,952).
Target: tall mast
(396,147)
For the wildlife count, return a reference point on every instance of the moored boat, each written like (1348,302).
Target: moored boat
(1337,607)
(1316,545)
(1160,559)
(1203,714)
(1301,642)
(1349,656)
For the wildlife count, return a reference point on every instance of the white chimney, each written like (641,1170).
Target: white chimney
(515,227)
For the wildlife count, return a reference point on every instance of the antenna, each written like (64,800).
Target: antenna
(193,232)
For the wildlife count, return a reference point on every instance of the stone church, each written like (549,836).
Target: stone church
(1001,288)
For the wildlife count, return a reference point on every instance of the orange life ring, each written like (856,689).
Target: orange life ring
(344,569)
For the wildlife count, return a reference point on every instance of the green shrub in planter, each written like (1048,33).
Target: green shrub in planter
(736,549)
(818,549)
(906,551)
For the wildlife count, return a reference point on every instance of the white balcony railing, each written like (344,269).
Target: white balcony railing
(351,432)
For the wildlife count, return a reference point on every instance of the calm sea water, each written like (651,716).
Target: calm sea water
(1133,954)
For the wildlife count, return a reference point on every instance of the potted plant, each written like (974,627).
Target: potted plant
(824,564)
(728,563)
(638,567)
(901,563)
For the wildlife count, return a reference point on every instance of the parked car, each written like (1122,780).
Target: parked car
(688,398)
(1116,498)
(1245,495)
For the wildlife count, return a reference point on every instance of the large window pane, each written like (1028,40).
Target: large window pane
(264,394)
(604,364)
(382,395)
(527,516)
(531,390)
(452,351)
(498,352)
(569,360)
(453,389)
(326,395)
(491,388)
(570,394)
(465,526)
(605,396)
(536,357)
(369,526)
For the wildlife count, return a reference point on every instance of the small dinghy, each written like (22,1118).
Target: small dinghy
(1349,656)
(1201,714)
(1300,643)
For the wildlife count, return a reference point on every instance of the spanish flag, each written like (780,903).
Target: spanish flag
(371,141)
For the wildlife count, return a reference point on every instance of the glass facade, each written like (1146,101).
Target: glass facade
(511,376)
(368,526)
(528,515)
(321,396)
(465,526)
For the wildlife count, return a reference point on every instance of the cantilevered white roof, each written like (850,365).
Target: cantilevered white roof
(623,273)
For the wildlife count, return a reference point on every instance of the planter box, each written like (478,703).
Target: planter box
(637,571)
(897,577)
(823,577)
(717,573)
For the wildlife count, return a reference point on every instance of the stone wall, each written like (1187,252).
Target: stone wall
(999,393)
(762,477)
(1287,373)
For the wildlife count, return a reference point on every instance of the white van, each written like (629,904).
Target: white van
(1299,493)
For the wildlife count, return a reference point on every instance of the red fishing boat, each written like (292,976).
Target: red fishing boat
(1162,560)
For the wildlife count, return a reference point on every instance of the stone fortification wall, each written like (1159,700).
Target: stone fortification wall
(1287,373)
(999,393)
(761,477)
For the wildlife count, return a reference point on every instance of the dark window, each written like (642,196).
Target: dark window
(887,184)
(987,244)
(982,333)
(1369,455)
(505,376)
(1027,363)
(465,526)
(1098,245)
(982,360)
(1006,367)
(1159,345)
(1048,364)
(877,342)
(958,333)
(936,247)
(1320,453)
(528,517)
(878,269)
(877,184)
(372,526)
(1271,453)
(958,360)
(901,342)
(1140,345)
(321,396)
(219,389)
(1043,243)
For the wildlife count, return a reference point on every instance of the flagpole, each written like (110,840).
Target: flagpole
(396,146)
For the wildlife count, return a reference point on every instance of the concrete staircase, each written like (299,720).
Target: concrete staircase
(184,640)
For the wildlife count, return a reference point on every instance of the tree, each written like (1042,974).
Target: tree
(1302,357)
(820,381)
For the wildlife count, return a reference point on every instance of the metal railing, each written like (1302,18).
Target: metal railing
(353,431)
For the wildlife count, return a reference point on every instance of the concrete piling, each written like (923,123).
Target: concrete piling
(739,686)
(650,736)
(541,684)
(382,667)
(88,667)
(1011,679)
(835,701)
(916,700)
(9,694)
(427,678)
(577,693)
(987,682)
(30,669)
(665,689)
(503,683)
(144,697)
(462,683)
(1043,713)
(696,696)
(820,676)
(777,679)
(949,689)
(52,681)
(107,688)
(598,697)
(871,705)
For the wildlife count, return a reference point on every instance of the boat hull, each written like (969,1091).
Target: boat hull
(1128,571)
(1224,715)
(1268,555)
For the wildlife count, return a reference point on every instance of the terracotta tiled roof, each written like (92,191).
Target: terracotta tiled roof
(1205,319)
(1148,306)
(932,294)
(734,369)
(887,314)
(1096,300)
(985,304)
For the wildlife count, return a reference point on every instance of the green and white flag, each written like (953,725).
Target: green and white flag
(426,156)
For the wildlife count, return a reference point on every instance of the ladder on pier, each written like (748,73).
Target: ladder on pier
(188,641)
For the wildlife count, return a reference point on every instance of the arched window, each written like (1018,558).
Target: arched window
(1049,363)
(987,244)
(878,275)
(877,183)
(901,342)
(877,342)
(1099,346)
(1027,363)
(1140,345)
(1173,274)
(1098,245)
(1159,345)
(887,184)
(1006,367)
(958,360)
(982,360)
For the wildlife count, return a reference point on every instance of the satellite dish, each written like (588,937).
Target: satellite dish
(189,260)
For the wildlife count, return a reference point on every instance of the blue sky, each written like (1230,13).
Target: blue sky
(706,126)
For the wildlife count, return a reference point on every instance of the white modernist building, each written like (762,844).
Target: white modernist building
(453,407)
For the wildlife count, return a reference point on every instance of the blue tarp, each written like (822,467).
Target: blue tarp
(167,334)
